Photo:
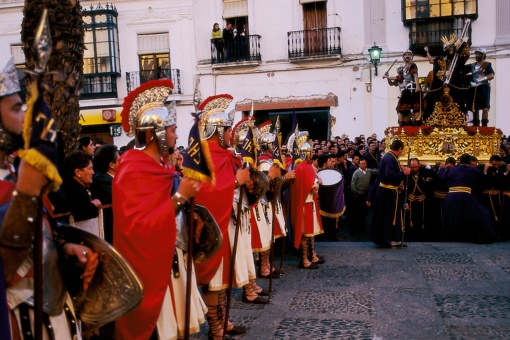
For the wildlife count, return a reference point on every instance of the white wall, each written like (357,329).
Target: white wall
(189,23)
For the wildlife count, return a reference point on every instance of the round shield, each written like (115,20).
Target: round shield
(329,177)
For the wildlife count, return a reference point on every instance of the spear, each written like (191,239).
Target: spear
(388,71)
(42,46)
(237,226)
(191,218)
(279,138)
(405,194)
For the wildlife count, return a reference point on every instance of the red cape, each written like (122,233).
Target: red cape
(218,199)
(144,233)
(305,178)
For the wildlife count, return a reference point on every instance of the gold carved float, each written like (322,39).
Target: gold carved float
(445,134)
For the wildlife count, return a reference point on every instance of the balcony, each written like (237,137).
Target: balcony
(237,50)
(427,35)
(314,43)
(136,78)
(99,85)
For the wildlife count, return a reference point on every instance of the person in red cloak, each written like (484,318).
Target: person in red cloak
(304,210)
(144,210)
(214,273)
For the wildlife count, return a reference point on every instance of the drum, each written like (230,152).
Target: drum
(331,193)
(329,177)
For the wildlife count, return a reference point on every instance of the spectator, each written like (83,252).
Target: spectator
(85,144)
(217,39)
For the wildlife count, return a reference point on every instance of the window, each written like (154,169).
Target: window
(429,20)
(154,66)
(101,41)
(423,9)
(101,58)
(314,120)
(154,56)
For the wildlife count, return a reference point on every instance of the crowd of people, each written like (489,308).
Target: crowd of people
(418,188)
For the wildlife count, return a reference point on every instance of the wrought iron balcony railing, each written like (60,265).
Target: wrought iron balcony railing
(235,50)
(422,35)
(137,78)
(312,43)
(99,85)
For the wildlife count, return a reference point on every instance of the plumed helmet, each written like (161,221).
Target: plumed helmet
(483,51)
(145,115)
(301,140)
(306,150)
(214,117)
(239,132)
(266,138)
(9,84)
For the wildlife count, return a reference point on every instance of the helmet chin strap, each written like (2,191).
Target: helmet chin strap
(221,137)
(162,144)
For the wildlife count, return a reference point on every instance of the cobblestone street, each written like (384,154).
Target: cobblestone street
(425,291)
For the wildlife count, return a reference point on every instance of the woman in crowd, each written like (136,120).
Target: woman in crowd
(86,144)
(78,174)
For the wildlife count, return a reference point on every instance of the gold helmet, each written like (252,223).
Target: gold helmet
(214,118)
(304,148)
(145,115)
(266,138)
(239,133)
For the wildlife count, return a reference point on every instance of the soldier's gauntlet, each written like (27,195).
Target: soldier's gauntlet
(18,225)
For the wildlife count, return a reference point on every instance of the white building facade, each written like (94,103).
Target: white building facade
(306,56)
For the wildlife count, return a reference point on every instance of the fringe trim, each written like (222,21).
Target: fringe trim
(34,95)
(196,175)
(277,161)
(249,159)
(337,215)
(44,165)
(206,152)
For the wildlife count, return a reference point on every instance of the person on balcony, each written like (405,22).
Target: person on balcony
(217,39)
(228,41)
(240,42)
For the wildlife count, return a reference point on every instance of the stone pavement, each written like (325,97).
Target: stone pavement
(425,291)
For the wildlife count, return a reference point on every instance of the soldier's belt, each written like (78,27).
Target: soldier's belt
(440,194)
(466,190)
(491,192)
(388,186)
(414,198)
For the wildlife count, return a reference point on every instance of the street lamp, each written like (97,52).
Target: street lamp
(375,56)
